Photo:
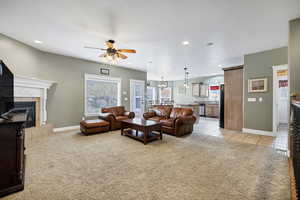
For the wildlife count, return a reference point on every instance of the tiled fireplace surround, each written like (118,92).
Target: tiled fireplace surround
(31,89)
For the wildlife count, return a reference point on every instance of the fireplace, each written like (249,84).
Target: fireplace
(33,90)
(31,108)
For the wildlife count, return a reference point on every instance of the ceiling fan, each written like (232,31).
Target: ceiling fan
(111,52)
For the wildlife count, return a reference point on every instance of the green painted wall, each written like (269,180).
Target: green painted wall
(65,102)
(294,56)
(258,115)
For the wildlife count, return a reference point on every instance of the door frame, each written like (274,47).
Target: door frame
(275,83)
(131,93)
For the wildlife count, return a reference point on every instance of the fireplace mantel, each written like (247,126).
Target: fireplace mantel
(25,87)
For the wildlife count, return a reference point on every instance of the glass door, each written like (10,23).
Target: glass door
(137,94)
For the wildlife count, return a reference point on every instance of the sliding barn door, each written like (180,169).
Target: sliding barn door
(233,113)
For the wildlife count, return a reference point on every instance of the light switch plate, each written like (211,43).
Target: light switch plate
(251,99)
(260,99)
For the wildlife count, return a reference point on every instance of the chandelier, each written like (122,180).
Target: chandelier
(186,78)
(162,83)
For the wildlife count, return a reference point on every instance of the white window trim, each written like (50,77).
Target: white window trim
(131,91)
(153,91)
(99,78)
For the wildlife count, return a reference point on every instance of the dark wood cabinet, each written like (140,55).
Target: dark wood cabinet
(12,157)
(212,110)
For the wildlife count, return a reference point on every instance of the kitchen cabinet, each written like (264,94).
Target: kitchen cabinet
(200,90)
(212,110)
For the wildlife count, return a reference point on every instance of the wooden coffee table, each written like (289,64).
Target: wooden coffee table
(141,129)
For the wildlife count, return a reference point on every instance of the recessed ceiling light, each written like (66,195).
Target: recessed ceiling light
(220,65)
(210,44)
(38,41)
(185,43)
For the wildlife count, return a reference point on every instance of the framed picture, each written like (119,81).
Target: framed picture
(104,71)
(258,85)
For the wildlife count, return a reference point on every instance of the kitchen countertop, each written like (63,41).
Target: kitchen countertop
(198,103)
(188,104)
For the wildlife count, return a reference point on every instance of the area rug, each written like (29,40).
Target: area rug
(70,166)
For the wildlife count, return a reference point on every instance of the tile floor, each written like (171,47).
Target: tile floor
(210,126)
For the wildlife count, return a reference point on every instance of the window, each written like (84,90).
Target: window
(151,94)
(101,92)
(165,94)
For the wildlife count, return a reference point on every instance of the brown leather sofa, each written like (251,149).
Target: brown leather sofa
(114,115)
(175,121)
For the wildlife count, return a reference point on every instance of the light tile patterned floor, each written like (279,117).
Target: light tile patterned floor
(210,126)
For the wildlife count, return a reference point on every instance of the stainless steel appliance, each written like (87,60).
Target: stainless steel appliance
(202,110)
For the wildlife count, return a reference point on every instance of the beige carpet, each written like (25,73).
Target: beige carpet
(112,167)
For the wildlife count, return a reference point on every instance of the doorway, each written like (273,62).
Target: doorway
(137,97)
(280,97)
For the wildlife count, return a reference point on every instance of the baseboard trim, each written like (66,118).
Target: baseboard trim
(66,128)
(258,132)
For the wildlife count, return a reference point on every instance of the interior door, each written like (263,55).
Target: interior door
(280,96)
(283,101)
(137,97)
(233,110)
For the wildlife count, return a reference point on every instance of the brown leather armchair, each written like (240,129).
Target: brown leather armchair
(114,115)
(175,121)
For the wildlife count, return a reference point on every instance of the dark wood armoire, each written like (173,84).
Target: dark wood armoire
(12,157)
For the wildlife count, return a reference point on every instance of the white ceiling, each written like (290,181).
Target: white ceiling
(155,28)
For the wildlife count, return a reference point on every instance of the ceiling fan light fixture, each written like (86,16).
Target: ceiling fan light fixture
(112,54)
(111,59)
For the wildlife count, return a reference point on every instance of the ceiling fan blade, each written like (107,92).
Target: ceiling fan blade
(109,44)
(94,48)
(127,50)
(121,56)
(103,55)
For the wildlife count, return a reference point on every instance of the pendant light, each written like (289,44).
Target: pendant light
(186,78)
(163,84)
